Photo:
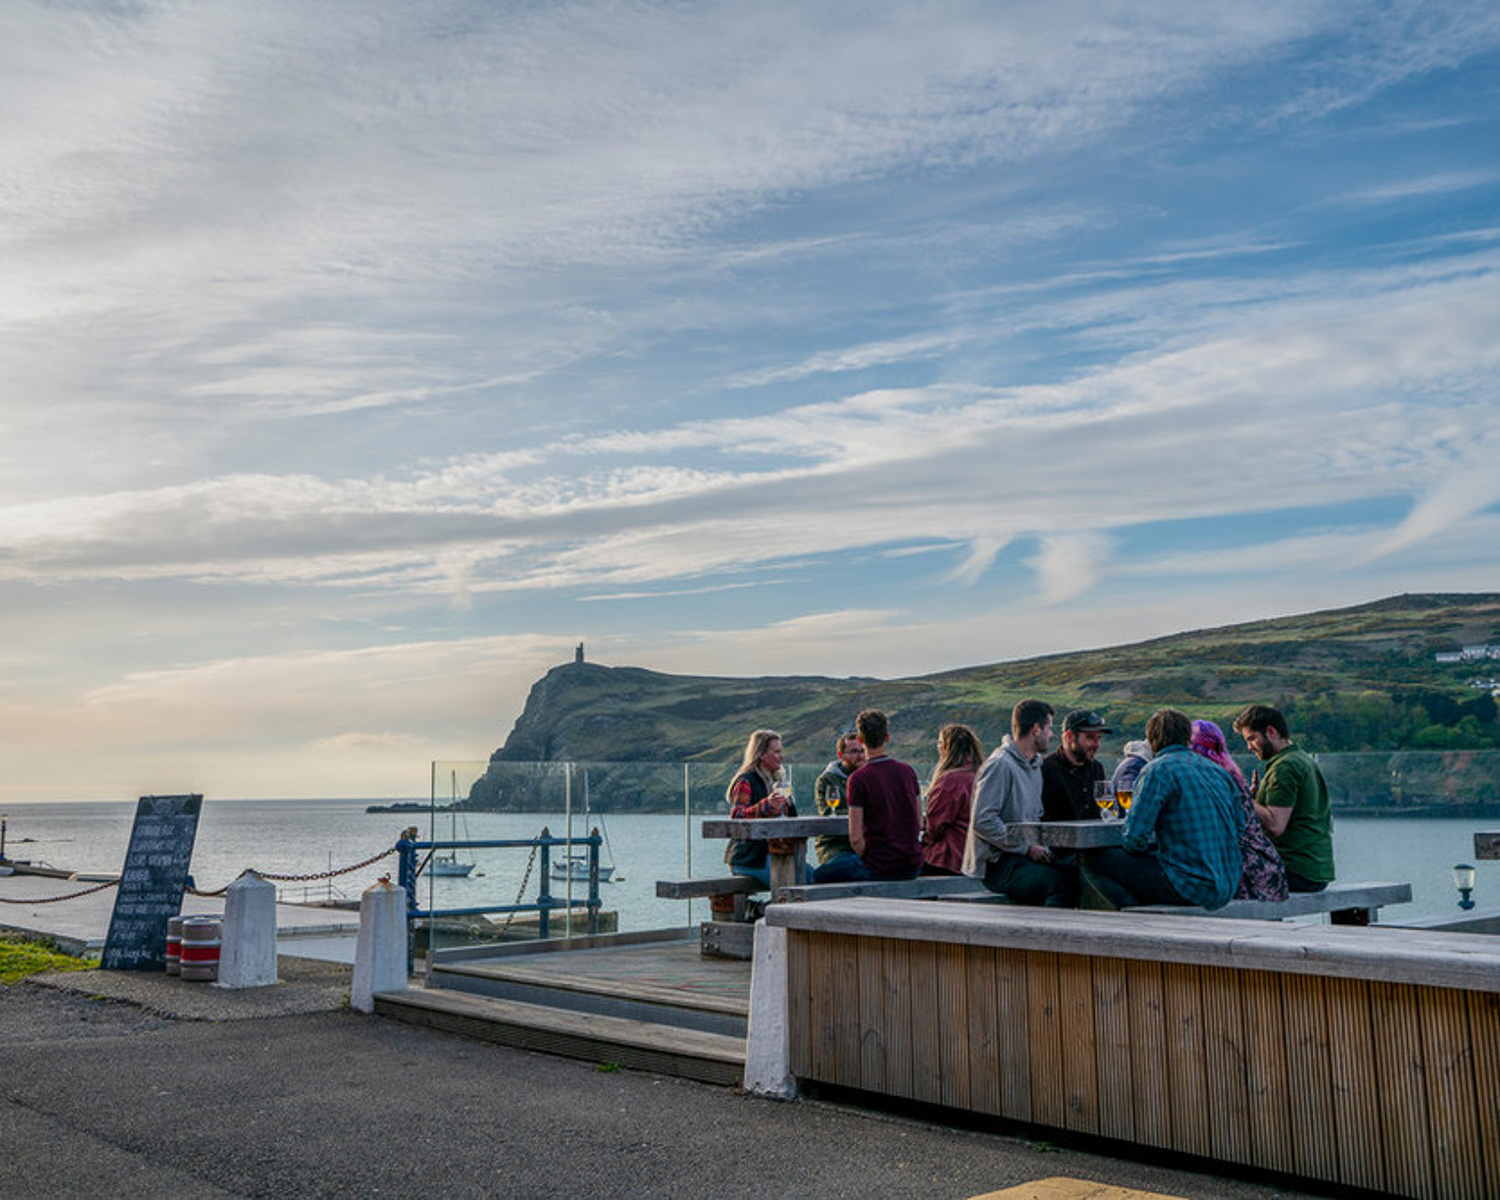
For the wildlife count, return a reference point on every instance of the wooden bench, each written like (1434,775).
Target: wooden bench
(1347,904)
(730,934)
(924,887)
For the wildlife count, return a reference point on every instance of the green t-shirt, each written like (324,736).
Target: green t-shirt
(1292,780)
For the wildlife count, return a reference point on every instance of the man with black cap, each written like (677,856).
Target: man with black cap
(1069,773)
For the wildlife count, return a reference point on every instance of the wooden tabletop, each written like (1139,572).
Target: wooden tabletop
(759,830)
(1064,835)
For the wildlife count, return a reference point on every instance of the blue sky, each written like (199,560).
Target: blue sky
(359,359)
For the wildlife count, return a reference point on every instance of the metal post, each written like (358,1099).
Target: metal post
(544,890)
(594,840)
(687,832)
(406,876)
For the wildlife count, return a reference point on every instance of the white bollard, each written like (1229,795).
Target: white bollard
(380,954)
(768,1049)
(248,958)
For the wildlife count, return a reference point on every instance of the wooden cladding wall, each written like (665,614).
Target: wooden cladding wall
(1393,1087)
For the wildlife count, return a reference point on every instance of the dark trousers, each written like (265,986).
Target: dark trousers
(1034,883)
(1300,883)
(847,867)
(1125,880)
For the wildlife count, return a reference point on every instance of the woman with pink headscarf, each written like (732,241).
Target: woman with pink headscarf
(1263,877)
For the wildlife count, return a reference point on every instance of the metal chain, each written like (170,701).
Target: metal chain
(71,896)
(308,878)
(521,891)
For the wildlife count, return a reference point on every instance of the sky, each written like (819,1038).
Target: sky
(357,360)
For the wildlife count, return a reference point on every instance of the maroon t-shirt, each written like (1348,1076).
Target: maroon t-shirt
(888,792)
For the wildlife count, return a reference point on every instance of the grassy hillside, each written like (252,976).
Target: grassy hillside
(1362,678)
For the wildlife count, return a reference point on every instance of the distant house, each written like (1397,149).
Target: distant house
(1468,654)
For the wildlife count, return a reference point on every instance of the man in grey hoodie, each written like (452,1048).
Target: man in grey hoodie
(1007,789)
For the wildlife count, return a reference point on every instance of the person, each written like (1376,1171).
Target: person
(950,792)
(885,813)
(1135,756)
(755,793)
(1262,876)
(1182,837)
(1291,800)
(829,792)
(1070,772)
(1008,789)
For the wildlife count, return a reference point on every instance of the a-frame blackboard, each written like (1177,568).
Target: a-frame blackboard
(152,882)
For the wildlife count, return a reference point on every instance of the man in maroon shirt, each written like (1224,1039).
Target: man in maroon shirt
(885,813)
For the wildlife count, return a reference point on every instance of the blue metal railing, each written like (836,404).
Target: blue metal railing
(545,903)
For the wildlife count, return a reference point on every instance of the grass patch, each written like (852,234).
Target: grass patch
(20,958)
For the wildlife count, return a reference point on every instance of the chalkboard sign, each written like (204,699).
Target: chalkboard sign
(152,882)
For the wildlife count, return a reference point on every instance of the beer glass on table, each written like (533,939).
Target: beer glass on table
(1104,800)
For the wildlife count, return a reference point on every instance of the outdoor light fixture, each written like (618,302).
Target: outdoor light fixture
(1463,880)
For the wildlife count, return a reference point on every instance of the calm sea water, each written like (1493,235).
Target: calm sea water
(288,837)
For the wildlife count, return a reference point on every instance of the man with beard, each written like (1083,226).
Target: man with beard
(1070,772)
(830,790)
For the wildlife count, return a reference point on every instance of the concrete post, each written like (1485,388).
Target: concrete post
(248,958)
(380,954)
(768,1050)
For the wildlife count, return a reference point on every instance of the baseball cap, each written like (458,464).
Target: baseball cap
(1085,720)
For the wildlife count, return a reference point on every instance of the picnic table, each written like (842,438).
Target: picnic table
(1064,835)
(786,862)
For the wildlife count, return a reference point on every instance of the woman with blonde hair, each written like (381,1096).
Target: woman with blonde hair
(949,796)
(757,791)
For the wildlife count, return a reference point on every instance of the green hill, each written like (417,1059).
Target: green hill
(1361,678)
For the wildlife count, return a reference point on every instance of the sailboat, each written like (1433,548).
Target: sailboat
(575,864)
(449,864)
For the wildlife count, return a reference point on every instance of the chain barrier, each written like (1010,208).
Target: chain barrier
(309,877)
(71,896)
(521,891)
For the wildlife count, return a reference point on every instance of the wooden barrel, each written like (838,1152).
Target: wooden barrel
(174,945)
(201,940)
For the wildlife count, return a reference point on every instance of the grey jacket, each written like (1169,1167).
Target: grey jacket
(1008,788)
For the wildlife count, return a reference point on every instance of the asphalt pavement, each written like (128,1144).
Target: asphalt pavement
(136,1085)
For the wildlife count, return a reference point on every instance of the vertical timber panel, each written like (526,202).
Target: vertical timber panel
(925,1069)
(953,1024)
(1224,1046)
(1048,1105)
(984,1024)
(822,995)
(1310,1077)
(1266,1070)
(1013,1033)
(845,1015)
(1452,1105)
(799,1002)
(897,1006)
(1484,1033)
(1358,1128)
(1114,1057)
(1075,987)
(1150,1092)
(1183,1103)
(874,1019)
(1401,1089)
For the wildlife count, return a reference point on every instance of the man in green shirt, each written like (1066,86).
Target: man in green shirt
(1291,801)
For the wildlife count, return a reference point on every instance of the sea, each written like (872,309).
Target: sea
(314,837)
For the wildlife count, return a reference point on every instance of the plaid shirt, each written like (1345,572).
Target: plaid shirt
(1188,807)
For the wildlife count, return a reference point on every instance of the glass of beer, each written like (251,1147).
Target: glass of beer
(1103,799)
(1123,798)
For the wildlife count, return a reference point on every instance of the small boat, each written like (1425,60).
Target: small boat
(449,865)
(575,865)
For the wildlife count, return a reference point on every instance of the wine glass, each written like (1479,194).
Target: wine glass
(1104,800)
(1123,798)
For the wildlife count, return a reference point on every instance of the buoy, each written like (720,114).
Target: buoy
(174,945)
(249,953)
(201,938)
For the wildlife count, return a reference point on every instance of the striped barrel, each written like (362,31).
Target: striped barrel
(174,945)
(201,939)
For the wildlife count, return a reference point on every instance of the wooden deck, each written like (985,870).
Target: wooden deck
(652,1003)
(1366,1057)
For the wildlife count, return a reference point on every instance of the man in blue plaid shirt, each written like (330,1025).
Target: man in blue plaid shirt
(1182,838)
